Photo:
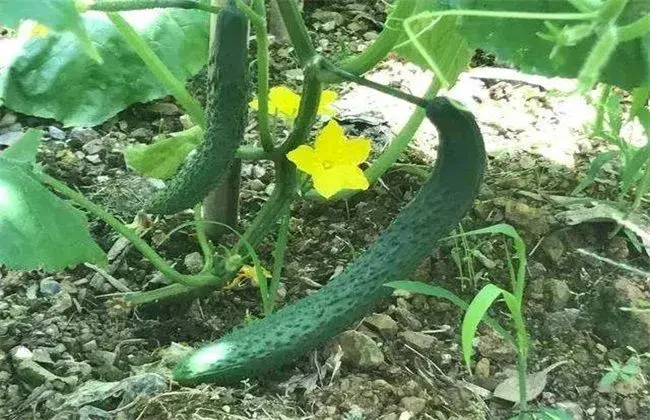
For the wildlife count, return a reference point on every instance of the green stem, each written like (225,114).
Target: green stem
(503,14)
(206,248)
(634,30)
(586,6)
(381,46)
(611,10)
(262,37)
(121,5)
(144,248)
(389,156)
(278,260)
(297,30)
(600,109)
(159,69)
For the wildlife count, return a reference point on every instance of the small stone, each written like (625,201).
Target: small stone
(35,374)
(482,368)
(257,185)
(8,119)
(360,350)
(93,147)
(557,294)
(186,121)
(628,387)
(617,248)
(329,26)
(530,219)
(383,324)
(554,248)
(4,377)
(48,286)
(142,133)
(89,346)
(405,415)
(83,135)
(495,347)
(165,108)
(194,262)
(62,304)
(328,16)
(557,324)
(41,355)
(269,188)
(7,139)
(630,407)
(406,318)
(390,416)
(258,171)
(370,35)
(415,405)
(572,408)
(94,159)
(20,353)
(418,340)
(55,133)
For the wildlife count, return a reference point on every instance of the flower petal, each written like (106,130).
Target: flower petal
(327,183)
(284,102)
(353,177)
(355,151)
(326,99)
(305,159)
(330,142)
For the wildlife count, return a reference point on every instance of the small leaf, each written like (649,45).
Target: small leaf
(553,414)
(598,162)
(606,382)
(535,383)
(631,369)
(475,312)
(614,113)
(162,158)
(38,229)
(634,169)
(24,150)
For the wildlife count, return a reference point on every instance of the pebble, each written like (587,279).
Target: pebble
(19,353)
(83,135)
(165,108)
(406,318)
(48,286)
(257,185)
(194,262)
(418,340)
(142,133)
(56,133)
(383,324)
(62,304)
(7,139)
(360,350)
(94,159)
(415,405)
(482,368)
(8,119)
(557,294)
(559,323)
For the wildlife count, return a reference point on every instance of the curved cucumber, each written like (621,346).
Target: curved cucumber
(226,118)
(440,204)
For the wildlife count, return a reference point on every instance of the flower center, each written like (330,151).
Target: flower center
(327,164)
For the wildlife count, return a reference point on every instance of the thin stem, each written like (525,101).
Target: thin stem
(206,248)
(611,10)
(634,30)
(262,37)
(278,260)
(121,5)
(600,109)
(297,30)
(380,47)
(415,100)
(158,68)
(586,6)
(144,248)
(503,14)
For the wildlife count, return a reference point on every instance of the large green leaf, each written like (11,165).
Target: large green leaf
(38,229)
(60,15)
(442,42)
(52,78)
(517,41)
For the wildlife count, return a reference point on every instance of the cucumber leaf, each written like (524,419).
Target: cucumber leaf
(52,78)
(38,229)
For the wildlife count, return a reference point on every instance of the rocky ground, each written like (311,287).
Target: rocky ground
(68,349)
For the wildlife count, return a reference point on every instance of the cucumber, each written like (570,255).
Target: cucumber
(227,111)
(280,338)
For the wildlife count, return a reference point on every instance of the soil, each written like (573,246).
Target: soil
(69,349)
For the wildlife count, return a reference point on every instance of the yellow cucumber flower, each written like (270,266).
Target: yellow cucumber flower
(333,162)
(284,103)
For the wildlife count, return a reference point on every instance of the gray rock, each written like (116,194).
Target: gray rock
(8,119)
(557,324)
(621,327)
(554,248)
(142,133)
(406,318)
(5,377)
(496,348)
(482,368)
(257,185)
(20,353)
(528,218)
(165,108)
(48,286)
(383,324)
(194,262)
(557,294)
(7,139)
(63,302)
(415,405)
(83,135)
(56,133)
(418,340)
(35,375)
(572,408)
(360,350)
(93,147)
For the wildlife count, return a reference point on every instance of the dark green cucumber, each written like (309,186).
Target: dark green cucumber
(440,204)
(227,106)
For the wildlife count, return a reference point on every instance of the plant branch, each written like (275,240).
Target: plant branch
(144,248)
(297,30)
(122,5)
(206,247)
(634,30)
(158,68)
